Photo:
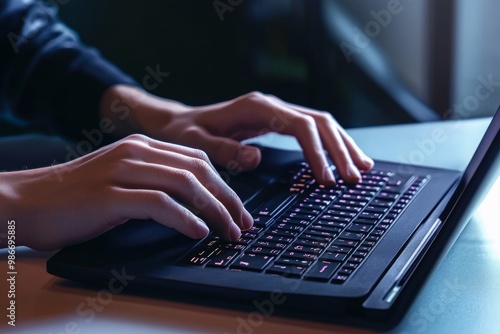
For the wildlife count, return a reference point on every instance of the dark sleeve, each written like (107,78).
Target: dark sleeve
(48,76)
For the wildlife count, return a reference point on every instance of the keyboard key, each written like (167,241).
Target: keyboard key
(287,270)
(378,232)
(359,253)
(330,223)
(303,210)
(270,244)
(364,248)
(321,228)
(347,243)
(335,218)
(345,271)
(237,247)
(275,238)
(252,262)
(326,234)
(261,221)
(322,270)
(287,227)
(375,209)
(263,251)
(386,195)
(222,258)
(351,236)
(283,233)
(297,247)
(344,201)
(339,249)
(254,229)
(357,198)
(341,207)
(365,221)
(312,243)
(299,255)
(356,259)
(381,202)
(316,237)
(312,205)
(301,216)
(339,213)
(330,256)
(369,215)
(351,265)
(355,227)
(292,261)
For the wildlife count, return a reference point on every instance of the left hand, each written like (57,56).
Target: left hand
(218,128)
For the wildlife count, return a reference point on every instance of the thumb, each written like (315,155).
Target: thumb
(226,152)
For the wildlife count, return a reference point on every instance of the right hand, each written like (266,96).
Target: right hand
(134,178)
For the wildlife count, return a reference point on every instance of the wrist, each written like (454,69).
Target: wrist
(132,110)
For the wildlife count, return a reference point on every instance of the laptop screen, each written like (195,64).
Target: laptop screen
(479,176)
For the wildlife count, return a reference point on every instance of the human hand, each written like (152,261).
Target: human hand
(134,178)
(218,128)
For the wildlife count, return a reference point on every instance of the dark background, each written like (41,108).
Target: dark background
(277,47)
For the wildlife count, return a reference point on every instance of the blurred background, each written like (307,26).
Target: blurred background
(368,62)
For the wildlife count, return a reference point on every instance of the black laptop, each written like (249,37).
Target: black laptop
(348,253)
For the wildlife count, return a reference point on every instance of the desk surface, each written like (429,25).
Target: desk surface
(462,295)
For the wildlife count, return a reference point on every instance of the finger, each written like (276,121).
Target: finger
(337,150)
(360,159)
(333,133)
(185,158)
(224,151)
(183,185)
(200,166)
(156,205)
(132,145)
(286,120)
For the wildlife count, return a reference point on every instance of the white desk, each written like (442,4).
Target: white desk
(462,295)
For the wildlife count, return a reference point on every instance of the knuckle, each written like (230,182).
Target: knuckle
(201,155)
(159,198)
(126,148)
(305,121)
(255,95)
(136,137)
(200,164)
(185,176)
(323,116)
(129,145)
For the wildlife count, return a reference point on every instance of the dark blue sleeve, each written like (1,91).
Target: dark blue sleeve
(48,75)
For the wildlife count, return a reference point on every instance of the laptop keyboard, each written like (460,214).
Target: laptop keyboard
(314,232)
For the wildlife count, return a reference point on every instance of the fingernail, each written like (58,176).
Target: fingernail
(328,175)
(234,232)
(246,220)
(368,162)
(353,173)
(248,157)
(202,229)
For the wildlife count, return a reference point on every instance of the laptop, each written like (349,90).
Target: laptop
(351,254)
